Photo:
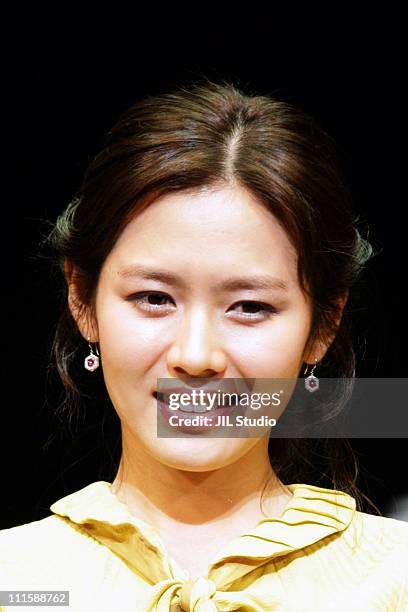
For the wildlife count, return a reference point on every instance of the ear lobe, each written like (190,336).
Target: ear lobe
(79,312)
(68,270)
(342,301)
(320,347)
(316,353)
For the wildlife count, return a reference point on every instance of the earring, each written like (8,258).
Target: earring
(92,361)
(311,382)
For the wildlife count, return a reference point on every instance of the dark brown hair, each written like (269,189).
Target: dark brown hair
(209,135)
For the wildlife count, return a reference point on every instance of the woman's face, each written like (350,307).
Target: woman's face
(190,327)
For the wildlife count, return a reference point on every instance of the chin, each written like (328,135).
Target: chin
(195,454)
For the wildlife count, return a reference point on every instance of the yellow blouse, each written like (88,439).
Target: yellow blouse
(320,555)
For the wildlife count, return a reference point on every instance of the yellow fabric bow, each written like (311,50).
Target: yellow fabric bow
(201,595)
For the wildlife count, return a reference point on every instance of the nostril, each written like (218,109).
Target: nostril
(159,396)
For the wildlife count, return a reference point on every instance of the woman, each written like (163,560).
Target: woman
(212,239)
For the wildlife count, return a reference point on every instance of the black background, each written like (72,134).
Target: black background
(63,99)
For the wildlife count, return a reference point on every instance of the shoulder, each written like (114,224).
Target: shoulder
(51,545)
(383,526)
(379,539)
(22,535)
(46,533)
(379,556)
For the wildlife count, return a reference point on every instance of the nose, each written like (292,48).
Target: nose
(196,350)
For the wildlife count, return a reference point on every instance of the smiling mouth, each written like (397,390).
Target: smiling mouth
(199,409)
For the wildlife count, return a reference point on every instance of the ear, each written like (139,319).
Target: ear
(320,347)
(81,314)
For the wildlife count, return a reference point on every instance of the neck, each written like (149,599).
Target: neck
(162,495)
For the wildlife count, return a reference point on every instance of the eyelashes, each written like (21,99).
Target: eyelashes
(140,297)
(142,301)
(266,310)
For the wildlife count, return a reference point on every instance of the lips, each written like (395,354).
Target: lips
(200,407)
(186,414)
(206,389)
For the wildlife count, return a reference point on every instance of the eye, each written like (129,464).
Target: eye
(145,299)
(154,301)
(257,310)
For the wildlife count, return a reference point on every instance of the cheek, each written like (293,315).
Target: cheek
(275,350)
(127,342)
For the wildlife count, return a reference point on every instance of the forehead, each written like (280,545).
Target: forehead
(225,227)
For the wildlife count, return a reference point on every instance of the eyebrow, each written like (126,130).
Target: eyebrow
(232,284)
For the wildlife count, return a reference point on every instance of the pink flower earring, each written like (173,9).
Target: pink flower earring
(91,361)
(311,382)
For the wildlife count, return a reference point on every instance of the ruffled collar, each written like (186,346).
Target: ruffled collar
(312,513)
